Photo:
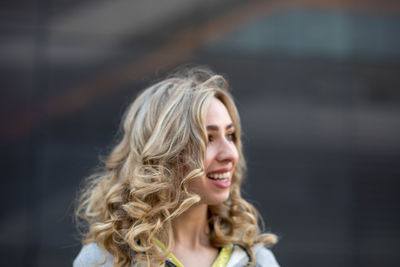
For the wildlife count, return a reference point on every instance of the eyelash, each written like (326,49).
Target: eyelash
(230,137)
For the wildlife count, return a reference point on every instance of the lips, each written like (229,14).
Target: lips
(222,183)
(222,175)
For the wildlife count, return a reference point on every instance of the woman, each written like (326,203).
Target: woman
(169,193)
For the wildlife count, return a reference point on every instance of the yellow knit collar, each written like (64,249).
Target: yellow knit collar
(221,260)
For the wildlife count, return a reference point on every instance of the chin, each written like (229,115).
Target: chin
(215,200)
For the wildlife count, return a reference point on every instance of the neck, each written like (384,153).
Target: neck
(191,228)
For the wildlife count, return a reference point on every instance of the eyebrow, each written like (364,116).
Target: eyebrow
(215,128)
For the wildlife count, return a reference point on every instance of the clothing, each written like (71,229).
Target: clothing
(90,255)
(222,259)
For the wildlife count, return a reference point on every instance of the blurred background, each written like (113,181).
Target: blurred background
(317,84)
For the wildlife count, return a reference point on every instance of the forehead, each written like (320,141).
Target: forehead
(217,113)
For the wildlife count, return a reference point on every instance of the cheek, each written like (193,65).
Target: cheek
(235,154)
(209,157)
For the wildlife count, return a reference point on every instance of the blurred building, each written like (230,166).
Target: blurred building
(316,82)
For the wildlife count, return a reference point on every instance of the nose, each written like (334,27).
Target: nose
(227,151)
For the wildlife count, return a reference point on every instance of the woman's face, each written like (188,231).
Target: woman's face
(221,156)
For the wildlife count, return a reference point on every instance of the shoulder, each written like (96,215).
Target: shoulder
(264,257)
(91,255)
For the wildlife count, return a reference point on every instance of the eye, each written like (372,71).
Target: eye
(210,138)
(231,137)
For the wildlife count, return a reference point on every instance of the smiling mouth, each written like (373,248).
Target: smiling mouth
(222,176)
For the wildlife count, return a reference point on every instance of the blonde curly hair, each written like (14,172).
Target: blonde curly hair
(143,184)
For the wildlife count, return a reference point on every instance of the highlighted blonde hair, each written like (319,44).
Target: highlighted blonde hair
(144,183)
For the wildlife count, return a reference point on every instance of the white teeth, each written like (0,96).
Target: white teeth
(220,176)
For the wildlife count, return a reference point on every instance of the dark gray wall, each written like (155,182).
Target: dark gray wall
(317,86)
